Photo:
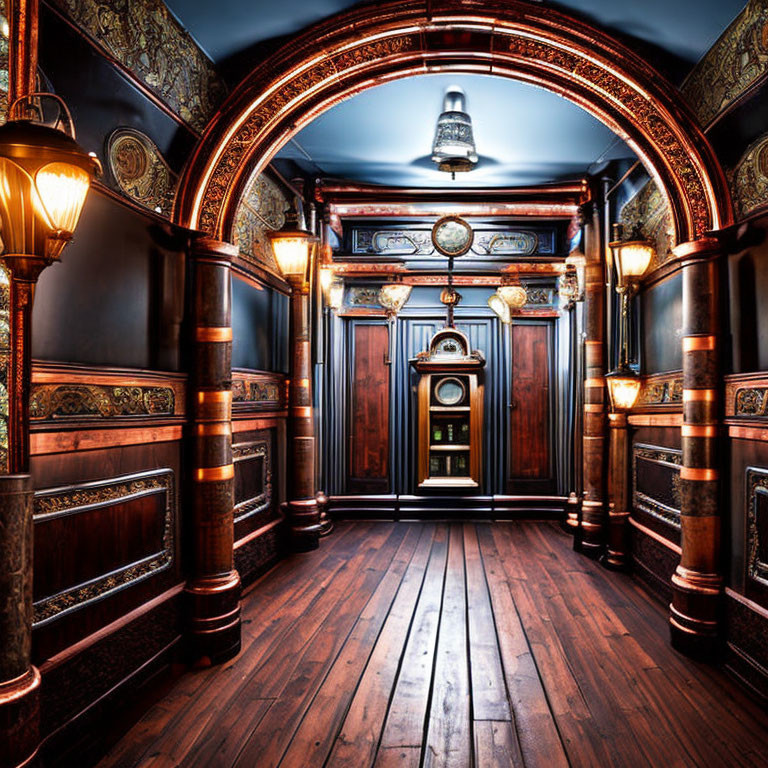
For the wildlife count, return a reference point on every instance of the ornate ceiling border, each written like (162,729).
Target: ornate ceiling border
(369,45)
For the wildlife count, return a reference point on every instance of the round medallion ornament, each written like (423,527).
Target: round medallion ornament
(452,236)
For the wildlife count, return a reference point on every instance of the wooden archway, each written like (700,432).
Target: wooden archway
(369,45)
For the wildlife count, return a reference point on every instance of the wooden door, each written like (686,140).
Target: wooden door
(530,420)
(369,412)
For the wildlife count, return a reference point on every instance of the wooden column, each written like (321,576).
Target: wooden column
(616,553)
(589,538)
(213,591)
(302,509)
(697,583)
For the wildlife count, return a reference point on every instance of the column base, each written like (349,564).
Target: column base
(589,540)
(19,720)
(214,619)
(304,523)
(614,561)
(695,612)
(616,555)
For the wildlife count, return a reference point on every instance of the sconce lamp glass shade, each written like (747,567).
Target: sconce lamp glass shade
(393,296)
(632,258)
(326,279)
(515,296)
(44,180)
(453,149)
(500,307)
(336,295)
(623,388)
(292,247)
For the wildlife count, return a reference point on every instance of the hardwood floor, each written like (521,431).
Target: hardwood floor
(456,645)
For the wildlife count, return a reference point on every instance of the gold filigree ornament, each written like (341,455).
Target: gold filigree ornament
(140,171)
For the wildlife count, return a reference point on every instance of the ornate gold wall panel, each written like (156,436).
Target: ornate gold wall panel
(4,85)
(146,39)
(733,64)
(749,180)
(140,170)
(649,211)
(262,208)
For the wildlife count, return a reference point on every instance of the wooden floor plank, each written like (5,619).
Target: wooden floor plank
(449,731)
(404,726)
(449,644)
(302,671)
(312,741)
(489,692)
(360,733)
(537,732)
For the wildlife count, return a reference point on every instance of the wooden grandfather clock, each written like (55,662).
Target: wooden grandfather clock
(450,397)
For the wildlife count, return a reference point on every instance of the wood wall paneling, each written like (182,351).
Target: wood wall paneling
(369,408)
(530,460)
(661,308)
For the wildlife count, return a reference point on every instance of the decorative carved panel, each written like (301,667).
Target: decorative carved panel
(86,502)
(258,391)
(74,401)
(736,61)
(665,389)
(149,42)
(253,478)
(656,481)
(749,180)
(4,27)
(757,524)
(140,170)
(417,242)
(746,396)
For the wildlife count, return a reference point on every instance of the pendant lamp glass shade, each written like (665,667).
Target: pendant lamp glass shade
(393,296)
(453,149)
(44,180)
(623,389)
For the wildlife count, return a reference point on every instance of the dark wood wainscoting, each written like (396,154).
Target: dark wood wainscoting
(530,418)
(258,453)
(369,408)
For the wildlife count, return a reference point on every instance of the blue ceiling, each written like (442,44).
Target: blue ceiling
(524,135)
(686,28)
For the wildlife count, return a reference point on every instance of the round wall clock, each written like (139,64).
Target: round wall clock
(452,236)
(450,391)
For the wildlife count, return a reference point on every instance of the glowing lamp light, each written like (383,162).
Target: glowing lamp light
(631,257)
(292,247)
(392,296)
(514,295)
(326,276)
(44,180)
(336,295)
(623,389)
(500,307)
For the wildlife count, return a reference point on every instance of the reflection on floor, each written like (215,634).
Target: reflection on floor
(481,645)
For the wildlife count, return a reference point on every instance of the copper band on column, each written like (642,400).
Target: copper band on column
(214,589)
(697,584)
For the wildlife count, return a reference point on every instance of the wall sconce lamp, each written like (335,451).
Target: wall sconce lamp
(332,288)
(572,282)
(631,259)
(44,179)
(293,248)
(392,296)
(508,298)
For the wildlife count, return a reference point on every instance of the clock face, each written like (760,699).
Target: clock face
(449,391)
(452,236)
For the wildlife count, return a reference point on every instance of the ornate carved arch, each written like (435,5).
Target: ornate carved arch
(369,45)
